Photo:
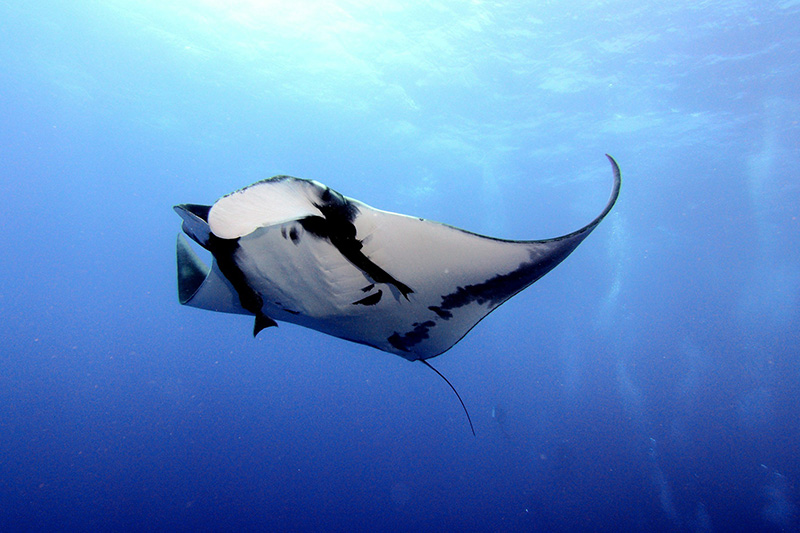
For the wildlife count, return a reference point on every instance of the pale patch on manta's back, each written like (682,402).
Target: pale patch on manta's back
(295,250)
(265,203)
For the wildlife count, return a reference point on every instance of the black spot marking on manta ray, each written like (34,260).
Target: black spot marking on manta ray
(224,251)
(406,341)
(283,308)
(493,292)
(291,233)
(336,225)
(368,287)
(372,299)
(499,288)
(445,315)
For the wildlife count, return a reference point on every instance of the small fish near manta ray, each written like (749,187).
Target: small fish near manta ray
(292,249)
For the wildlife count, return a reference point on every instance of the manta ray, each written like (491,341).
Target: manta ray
(294,250)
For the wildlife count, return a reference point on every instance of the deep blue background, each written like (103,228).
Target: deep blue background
(651,382)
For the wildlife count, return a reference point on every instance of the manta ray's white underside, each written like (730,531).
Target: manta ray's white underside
(294,250)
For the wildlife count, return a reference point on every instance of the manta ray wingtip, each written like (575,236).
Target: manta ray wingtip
(614,192)
(614,166)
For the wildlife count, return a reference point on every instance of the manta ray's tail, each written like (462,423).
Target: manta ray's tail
(454,390)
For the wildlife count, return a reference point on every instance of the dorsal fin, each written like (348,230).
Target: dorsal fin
(454,390)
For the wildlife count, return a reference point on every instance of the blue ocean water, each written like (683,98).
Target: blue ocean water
(649,383)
